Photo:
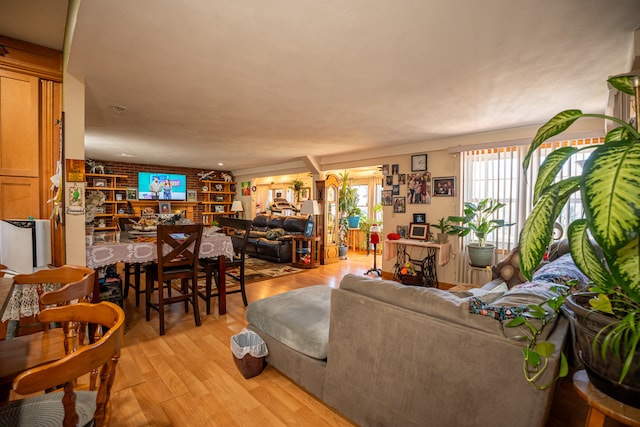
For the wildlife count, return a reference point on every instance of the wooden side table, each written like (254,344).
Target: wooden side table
(299,249)
(601,405)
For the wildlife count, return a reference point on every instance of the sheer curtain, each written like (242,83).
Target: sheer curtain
(498,173)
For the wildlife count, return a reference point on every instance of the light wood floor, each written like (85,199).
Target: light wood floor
(188,377)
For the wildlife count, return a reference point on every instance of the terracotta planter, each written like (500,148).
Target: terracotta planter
(604,374)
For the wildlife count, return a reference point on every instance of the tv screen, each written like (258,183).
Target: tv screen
(161,186)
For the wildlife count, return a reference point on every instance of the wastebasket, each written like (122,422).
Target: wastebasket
(249,352)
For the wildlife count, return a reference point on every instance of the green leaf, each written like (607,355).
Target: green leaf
(516,321)
(538,228)
(609,185)
(623,84)
(545,348)
(585,256)
(621,133)
(558,124)
(626,268)
(564,366)
(601,303)
(550,168)
(531,357)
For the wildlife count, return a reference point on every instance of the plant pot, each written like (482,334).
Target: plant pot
(342,252)
(353,221)
(442,238)
(480,256)
(604,374)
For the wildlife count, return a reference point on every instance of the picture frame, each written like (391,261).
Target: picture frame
(395,169)
(402,179)
(419,188)
(218,208)
(385,169)
(119,197)
(388,180)
(395,189)
(419,231)
(99,182)
(419,218)
(278,193)
(192,195)
(132,194)
(418,162)
(305,192)
(399,204)
(444,186)
(164,208)
(219,198)
(402,230)
(387,198)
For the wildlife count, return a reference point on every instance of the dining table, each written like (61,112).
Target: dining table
(123,246)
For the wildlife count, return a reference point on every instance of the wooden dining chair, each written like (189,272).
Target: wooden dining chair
(131,268)
(72,407)
(178,247)
(238,229)
(76,283)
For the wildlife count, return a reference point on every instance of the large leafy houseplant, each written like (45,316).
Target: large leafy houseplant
(348,198)
(608,187)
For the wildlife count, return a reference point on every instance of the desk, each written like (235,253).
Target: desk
(426,274)
(601,405)
(101,254)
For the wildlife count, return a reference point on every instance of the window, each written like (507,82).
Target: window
(497,173)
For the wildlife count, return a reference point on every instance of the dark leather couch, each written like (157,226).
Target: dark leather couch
(270,237)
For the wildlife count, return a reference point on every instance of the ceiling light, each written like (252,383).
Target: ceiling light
(125,155)
(220,164)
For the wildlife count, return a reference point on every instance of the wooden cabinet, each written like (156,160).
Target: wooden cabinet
(327,197)
(217,199)
(116,198)
(186,208)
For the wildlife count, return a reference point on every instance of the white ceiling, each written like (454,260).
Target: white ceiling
(265,83)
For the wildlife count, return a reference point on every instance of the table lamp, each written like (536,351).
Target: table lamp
(311,208)
(236,207)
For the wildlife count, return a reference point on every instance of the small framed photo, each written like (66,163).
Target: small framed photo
(444,186)
(395,169)
(402,230)
(402,179)
(395,189)
(418,162)
(218,208)
(132,194)
(419,218)
(118,196)
(164,208)
(399,204)
(419,231)
(192,195)
(219,198)
(385,169)
(387,198)
(305,192)
(388,180)
(99,182)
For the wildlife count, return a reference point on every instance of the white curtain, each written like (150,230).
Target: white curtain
(497,173)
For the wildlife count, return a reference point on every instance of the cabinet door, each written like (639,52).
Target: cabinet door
(17,197)
(19,125)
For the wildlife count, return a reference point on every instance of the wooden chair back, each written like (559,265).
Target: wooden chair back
(103,355)
(178,249)
(239,230)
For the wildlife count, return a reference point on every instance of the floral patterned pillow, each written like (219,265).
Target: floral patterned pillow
(499,312)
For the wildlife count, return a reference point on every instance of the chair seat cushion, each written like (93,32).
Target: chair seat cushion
(299,319)
(47,410)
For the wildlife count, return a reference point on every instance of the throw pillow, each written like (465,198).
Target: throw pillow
(275,233)
(489,296)
(509,269)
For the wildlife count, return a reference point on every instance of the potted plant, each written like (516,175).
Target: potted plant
(446,228)
(477,219)
(343,230)
(348,200)
(605,244)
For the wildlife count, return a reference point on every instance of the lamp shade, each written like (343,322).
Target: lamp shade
(236,206)
(310,207)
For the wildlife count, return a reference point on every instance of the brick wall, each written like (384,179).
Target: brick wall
(132,169)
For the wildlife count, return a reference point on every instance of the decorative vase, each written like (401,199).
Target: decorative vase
(353,221)
(480,256)
(342,251)
(604,374)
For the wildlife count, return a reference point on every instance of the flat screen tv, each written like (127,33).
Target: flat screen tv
(161,186)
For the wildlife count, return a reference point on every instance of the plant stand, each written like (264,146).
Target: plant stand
(374,269)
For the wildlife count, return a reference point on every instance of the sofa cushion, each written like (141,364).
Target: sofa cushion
(295,224)
(276,221)
(261,222)
(489,295)
(298,319)
(508,269)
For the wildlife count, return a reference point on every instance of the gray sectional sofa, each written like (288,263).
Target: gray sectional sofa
(385,354)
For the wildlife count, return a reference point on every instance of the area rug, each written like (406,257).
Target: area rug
(256,270)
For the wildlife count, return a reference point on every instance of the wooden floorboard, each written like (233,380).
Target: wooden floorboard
(188,377)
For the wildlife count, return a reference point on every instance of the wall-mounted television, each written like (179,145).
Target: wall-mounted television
(162,186)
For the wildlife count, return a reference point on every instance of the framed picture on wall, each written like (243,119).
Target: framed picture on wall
(387,198)
(444,186)
(418,162)
(192,195)
(399,205)
(419,218)
(419,231)
(132,194)
(164,208)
